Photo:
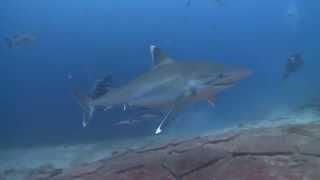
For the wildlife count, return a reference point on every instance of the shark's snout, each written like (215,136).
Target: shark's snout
(241,74)
(231,76)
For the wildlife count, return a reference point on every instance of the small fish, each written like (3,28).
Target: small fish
(124,122)
(188,3)
(139,115)
(293,64)
(19,39)
(149,115)
(69,76)
(129,122)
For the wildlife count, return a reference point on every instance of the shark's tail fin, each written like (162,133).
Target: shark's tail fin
(87,107)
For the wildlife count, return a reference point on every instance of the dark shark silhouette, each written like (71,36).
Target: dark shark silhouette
(294,63)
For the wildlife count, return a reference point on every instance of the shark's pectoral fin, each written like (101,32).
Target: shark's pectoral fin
(87,107)
(171,115)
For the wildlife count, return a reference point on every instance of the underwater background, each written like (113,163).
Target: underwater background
(79,41)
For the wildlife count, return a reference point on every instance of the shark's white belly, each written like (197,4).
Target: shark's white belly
(153,91)
(157,97)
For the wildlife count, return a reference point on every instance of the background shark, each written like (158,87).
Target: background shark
(293,64)
(19,39)
(169,84)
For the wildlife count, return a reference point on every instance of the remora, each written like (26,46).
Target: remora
(168,84)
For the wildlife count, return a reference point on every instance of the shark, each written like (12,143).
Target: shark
(169,84)
(294,63)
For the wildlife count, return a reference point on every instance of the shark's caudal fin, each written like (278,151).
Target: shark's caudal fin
(158,57)
(87,107)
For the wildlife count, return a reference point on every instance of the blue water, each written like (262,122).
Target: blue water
(90,39)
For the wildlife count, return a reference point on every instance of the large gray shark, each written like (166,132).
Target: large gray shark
(168,84)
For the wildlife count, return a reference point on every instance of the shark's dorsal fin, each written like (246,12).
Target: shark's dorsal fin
(158,57)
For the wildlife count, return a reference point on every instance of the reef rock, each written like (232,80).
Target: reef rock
(291,152)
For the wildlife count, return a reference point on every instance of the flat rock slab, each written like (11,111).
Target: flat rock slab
(264,144)
(181,164)
(282,153)
(311,148)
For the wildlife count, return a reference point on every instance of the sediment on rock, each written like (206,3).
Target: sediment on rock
(290,152)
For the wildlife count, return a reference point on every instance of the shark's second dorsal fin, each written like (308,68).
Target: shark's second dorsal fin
(158,57)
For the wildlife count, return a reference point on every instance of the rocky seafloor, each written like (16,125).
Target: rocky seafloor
(284,146)
(286,152)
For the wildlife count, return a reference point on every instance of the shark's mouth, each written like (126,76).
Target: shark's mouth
(219,84)
(223,84)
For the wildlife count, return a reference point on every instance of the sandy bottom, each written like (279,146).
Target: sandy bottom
(15,163)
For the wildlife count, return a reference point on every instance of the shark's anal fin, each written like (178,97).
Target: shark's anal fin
(102,87)
(171,115)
